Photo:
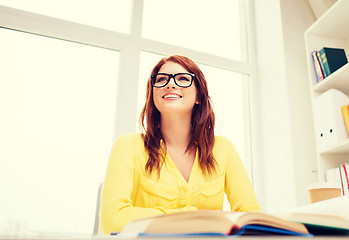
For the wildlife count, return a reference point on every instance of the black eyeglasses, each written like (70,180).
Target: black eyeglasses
(181,79)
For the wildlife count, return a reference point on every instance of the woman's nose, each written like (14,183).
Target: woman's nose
(171,83)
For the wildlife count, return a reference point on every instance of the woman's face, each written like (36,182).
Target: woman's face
(171,98)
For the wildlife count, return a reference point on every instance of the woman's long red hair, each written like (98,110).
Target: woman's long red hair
(202,121)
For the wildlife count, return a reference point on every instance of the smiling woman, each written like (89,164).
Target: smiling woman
(178,153)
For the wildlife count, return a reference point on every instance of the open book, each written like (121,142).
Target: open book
(211,223)
(328,217)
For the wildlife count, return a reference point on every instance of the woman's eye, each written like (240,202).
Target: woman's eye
(182,78)
(161,79)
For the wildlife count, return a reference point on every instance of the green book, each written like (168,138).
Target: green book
(332,59)
(327,217)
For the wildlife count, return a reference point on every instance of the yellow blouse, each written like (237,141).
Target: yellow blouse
(130,193)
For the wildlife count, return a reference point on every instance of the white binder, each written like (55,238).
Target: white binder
(329,123)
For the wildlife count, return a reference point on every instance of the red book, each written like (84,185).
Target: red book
(345,167)
(317,67)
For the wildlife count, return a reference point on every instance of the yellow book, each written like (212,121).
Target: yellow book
(345,112)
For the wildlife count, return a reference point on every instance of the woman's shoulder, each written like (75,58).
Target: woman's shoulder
(223,145)
(130,139)
(221,140)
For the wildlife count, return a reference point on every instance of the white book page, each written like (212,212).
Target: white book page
(336,206)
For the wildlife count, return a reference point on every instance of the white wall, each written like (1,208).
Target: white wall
(297,17)
(285,117)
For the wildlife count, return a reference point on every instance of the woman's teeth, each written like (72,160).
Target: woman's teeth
(172,96)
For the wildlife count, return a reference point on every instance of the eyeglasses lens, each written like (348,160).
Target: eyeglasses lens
(182,80)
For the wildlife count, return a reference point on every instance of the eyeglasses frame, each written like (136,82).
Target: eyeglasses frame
(153,76)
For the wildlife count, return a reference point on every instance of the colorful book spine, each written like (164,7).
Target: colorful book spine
(339,175)
(321,65)
(332,59)
(345,113)
(346,170)
(317,67)
(344,178)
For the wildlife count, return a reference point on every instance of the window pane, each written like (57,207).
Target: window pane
(229,93)
(108,14)
(57,104)
(209,26)
(147,62)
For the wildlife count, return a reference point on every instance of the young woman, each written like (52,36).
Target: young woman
(178,164)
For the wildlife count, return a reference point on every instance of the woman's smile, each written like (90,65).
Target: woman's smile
(171,96)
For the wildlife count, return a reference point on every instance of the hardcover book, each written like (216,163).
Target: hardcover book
(321,64)
(328,217)
(212,223)
(317,67)
(332,59)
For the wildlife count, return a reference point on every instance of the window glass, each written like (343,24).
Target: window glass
(57,104)
(147,62)
(213,27)
(229,93)
(108,14)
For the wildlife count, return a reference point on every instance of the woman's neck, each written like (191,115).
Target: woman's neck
(176,131)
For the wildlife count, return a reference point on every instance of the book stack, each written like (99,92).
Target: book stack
(211,223)
(328,217)
(340,175)
(328,60)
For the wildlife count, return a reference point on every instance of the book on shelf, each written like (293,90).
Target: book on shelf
(212,223)
(332,59)
(328,217)
(345,113)
(333,175)
(317,67)
(340,176)
(344,168)
(323,70)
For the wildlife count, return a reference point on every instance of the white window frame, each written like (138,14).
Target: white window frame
(130,47)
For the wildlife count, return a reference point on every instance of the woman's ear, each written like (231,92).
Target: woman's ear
(197,100)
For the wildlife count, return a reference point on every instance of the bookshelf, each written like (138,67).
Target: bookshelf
(337,80)
(330,30)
